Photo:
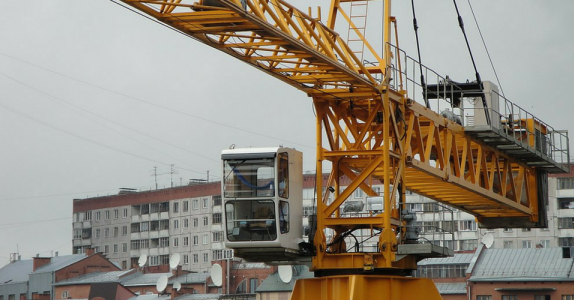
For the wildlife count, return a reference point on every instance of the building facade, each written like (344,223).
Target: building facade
(188,220)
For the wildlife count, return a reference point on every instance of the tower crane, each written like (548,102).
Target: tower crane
(490,160)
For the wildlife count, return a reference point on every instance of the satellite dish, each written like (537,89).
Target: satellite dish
(142,260)
(488,240)
(161,283)
(174,260)
(285,273)
(177,286)
(216,274)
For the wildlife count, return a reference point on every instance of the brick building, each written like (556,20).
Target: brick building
(35,278)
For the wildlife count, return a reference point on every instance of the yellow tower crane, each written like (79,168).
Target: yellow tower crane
(487,161)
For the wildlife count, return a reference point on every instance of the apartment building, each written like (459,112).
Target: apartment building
(158,223)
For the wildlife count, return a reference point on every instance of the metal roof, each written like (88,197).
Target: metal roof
(190,278)
(16,272)
(144,279)
(540,264)
(457,259)
(451,288)
(198,297)
(113,276)
(151,297)
(59,262)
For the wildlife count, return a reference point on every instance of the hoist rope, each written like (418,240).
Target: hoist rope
(423,83)
(478,80)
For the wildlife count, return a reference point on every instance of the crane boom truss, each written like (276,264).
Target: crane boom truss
(367,129)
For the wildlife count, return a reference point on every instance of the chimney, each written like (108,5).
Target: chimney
(56,254)
(90,251)
(40,261)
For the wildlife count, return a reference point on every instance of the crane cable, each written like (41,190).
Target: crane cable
(478,80)
(423,83)
(486,48)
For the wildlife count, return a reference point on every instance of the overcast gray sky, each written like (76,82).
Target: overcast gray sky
(93,97)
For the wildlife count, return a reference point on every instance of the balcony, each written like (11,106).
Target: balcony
(136,218)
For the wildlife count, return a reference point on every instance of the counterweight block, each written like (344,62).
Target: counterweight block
(363,287)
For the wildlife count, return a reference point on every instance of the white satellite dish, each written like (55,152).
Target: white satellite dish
(142,260)
(488,240)
(174,260)
(216,274)
(285,273)
(161,283)
(177,286)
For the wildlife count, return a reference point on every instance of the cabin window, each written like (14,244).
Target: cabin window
(283,175)
(246,178)
(284,216)
(251,220)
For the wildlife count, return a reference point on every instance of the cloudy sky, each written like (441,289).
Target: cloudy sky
(93,97)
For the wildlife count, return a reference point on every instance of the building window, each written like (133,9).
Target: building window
(442,271)
(566,242)
(163,224)
(65,295)
(116,214)
(468,244)
(195,258)
(125,213)
(526,230)
(565,183)
(508,245)
(186,259)
(125,230)
(195,240)
(467,225)
(507,230)
(175,224)
(483,297)
(541,297)
(216,218)
(205,257)
(164,242)
(98,216)
(526,244)
(116,231)
(97,234)
(185,223)
(358,193)
(568,297)
(205,221)
(185,206)
(115,248)
(88,215)
(78,234)
(125,247)
(565,223)
(565,203)
(545,243)
(205,202)
(216,200)
(509,297)
(205,239)
(217,236)
(107,232)
(195,204)
(106,249)
(106,215)
(144,226)
(253,283)
(175,207)
(175,242)
(186,241)
(195,222)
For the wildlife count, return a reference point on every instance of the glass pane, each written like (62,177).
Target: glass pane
(249,178)
(251,220)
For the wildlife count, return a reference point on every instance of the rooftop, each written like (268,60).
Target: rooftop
(540,264)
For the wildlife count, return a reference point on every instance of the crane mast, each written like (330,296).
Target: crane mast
(372,131)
